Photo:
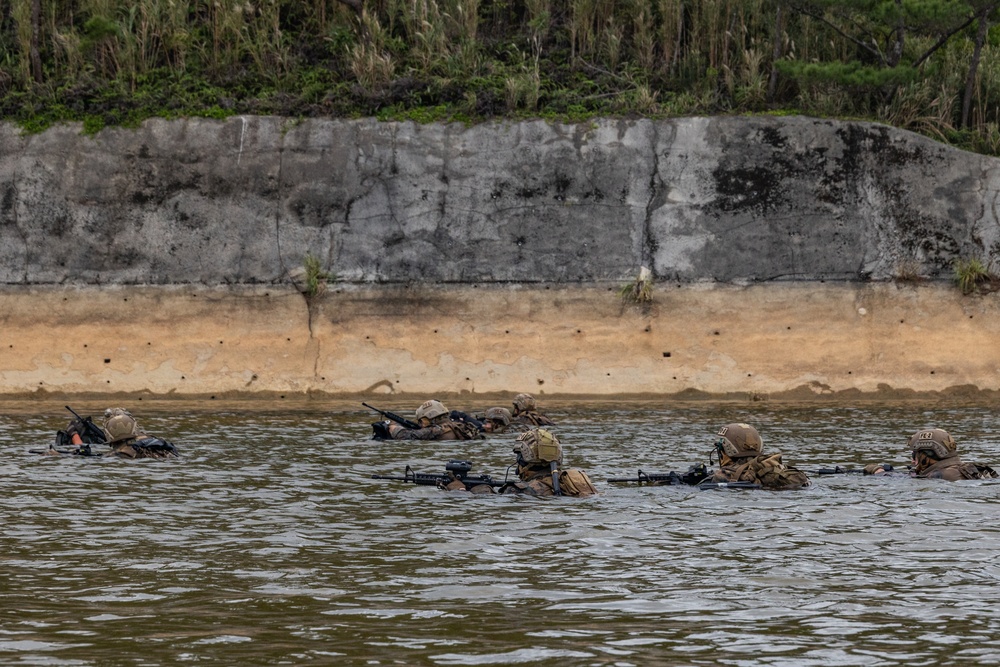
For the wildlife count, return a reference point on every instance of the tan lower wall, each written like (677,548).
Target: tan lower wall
(801,340)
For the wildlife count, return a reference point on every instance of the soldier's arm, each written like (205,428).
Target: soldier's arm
(402,433)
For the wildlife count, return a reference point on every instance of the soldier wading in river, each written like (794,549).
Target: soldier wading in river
(120,432)
(435,423)
(526,412)
(128,442)
(498,420)
(935,456)
(740,460)
(539,456)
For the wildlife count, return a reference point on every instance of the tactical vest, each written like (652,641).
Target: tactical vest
(764,469)
(573,482)
(146,448)
(953,469)
(532,418)
(463,431)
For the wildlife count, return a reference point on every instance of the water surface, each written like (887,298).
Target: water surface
(269,543)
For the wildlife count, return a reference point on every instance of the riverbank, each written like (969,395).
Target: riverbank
(794,341)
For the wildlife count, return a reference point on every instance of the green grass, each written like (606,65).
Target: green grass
(970,275)
(107,64)
(315,277)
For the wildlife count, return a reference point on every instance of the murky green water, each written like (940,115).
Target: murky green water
(269,543)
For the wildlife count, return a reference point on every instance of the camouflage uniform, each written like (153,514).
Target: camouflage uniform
(740,460)
(935,456)
(121,433)
(538,453)
(435,424)
(128,442)
(525,412)
(498,420)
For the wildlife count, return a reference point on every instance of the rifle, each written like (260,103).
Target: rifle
(705,486)
(554,467)
(89,432)
(837,470)
(693,477)
(402,421)
(82,450)
(454,470)
(459,416)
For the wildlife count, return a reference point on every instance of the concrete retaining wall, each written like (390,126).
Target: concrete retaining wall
(794,340)
(487,259)
(728,199)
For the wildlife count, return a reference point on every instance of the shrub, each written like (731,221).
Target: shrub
(970,274)
(640,290)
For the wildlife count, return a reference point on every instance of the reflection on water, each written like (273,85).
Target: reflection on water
(269,543)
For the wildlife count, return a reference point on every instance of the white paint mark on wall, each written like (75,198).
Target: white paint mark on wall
(243,133)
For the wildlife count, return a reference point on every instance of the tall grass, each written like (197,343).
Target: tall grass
(467,58)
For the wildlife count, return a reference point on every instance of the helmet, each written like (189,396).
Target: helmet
(524,403)
(119,425)
(936,442)
(739,440)
(538,446)
(501,415)
(431,410)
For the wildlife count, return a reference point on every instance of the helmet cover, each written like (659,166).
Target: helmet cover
(501,415)
(524,403)
(739,440)
(538,446)
(431,410)
(937,442)
(119,425)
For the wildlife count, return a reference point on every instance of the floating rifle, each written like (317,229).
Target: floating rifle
(86,434)
(89,429)
(380,430)
(82,450)
(693,477)
(453,471)
(459,416)
(837,470)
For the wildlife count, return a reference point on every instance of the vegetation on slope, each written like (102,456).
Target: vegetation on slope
(932,66)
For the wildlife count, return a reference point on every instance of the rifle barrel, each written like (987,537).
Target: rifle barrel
(396,478)
(705,486)
(649,477)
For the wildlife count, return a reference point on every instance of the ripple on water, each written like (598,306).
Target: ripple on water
(269,542)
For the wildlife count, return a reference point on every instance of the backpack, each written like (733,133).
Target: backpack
(574,482)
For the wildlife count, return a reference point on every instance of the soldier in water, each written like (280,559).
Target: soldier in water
(498,420)
(120,432)
(129,442)
(526,412)
(741,460)
(934,455)
(436,423)
(539,457)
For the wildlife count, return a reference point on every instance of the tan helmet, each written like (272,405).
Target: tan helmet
(538,446)
(431,410)
(524,403)
(119,425)
(739,440)
(501,415)
(936,442)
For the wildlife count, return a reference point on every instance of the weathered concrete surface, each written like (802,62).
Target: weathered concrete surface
(790,339)
(729,199)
